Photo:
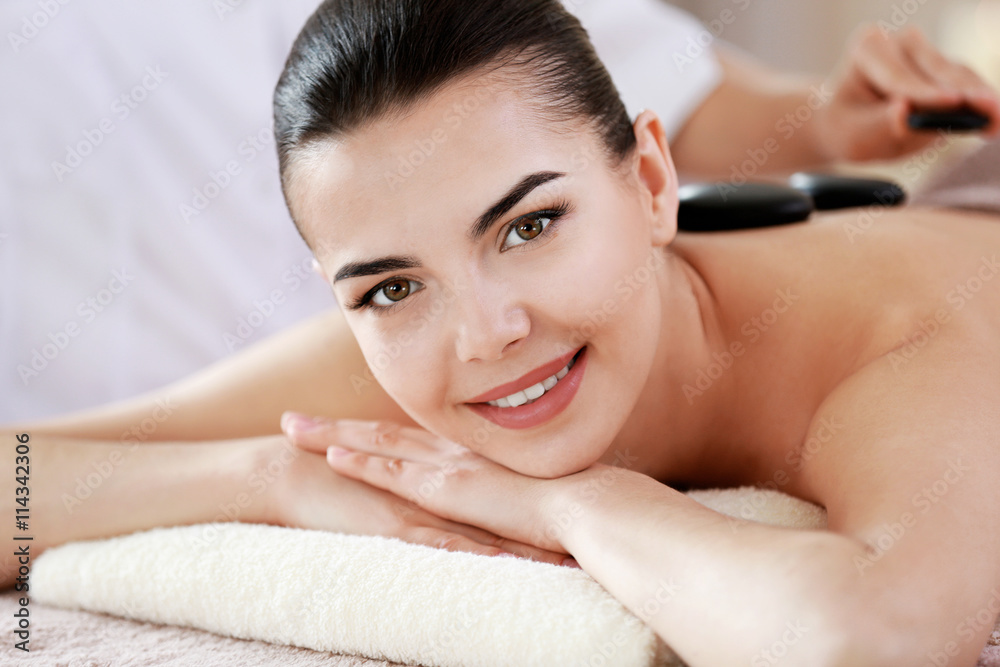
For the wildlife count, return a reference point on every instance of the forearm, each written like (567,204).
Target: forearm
(756,122)
(719,591)
(83,489)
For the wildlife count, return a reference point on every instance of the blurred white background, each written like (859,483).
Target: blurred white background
(142,231)
(808,35)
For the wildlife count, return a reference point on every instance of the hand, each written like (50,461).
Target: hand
(304,492)
(442,477)
(884,77)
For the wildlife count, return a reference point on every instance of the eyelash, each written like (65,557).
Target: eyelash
(561,208)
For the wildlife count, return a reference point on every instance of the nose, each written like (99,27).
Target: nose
(490,319)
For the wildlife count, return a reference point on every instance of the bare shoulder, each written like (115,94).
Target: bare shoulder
(900,440)
(905,454)
(862,270)
(315,367)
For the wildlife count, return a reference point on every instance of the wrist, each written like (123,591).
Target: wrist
(262,480)
(579,504)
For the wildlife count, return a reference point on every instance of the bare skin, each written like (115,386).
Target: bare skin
(860,334)
(857,280)
(836,306)
(857,113)
(830,364)
(851,296)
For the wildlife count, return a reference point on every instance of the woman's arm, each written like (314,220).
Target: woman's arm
(908,570)
(718,590)
(762,121)
(743,119)
(314,367)
(912,569)
(67,490)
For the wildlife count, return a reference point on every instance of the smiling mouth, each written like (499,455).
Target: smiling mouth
(536,391)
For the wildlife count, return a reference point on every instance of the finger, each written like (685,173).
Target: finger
(317,434)
(454,541)
(309,433)
(534,553)
(393,474)
(529,551)
(890,72)
(387,439)
(947,74)
(443,539)
(954,76)
(977,94)
(931,63)
(417,513)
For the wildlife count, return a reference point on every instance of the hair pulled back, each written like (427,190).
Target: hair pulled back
(359,61)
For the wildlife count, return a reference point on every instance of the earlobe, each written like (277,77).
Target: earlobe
(657,176)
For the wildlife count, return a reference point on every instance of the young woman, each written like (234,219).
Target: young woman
(529,353)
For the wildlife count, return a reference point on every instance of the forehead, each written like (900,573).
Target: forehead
(446,158)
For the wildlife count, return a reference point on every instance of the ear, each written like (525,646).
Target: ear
(657,176)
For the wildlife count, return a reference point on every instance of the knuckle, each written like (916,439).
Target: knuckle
(448,541)
(384,434)
(505,544)
(393,466)
(401,512)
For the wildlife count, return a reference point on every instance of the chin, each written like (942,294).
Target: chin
(564,458)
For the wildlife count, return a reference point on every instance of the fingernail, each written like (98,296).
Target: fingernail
(296,421)
(334,452)
(506,554)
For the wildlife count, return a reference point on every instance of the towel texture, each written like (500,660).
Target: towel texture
(371,596)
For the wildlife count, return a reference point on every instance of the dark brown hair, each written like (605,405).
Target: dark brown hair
(357,61)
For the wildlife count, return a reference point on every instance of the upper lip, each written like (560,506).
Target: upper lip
(527,380)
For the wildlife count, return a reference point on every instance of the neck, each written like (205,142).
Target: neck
(684,418)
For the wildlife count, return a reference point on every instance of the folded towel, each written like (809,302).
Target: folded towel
(372,596)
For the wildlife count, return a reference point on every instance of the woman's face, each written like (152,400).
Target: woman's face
(475,250)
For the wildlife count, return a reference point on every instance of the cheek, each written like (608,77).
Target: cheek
(401,363)
(607,284)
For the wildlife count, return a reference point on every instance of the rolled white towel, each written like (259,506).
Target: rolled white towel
(373,596)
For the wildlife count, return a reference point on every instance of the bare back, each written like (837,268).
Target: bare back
(812,304)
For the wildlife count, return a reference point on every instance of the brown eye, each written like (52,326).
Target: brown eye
(391,293)
(529,229)
(397,291)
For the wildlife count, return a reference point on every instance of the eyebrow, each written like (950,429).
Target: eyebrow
(479,228)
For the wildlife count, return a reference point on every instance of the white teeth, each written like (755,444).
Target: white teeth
(517,399)
(533,392)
